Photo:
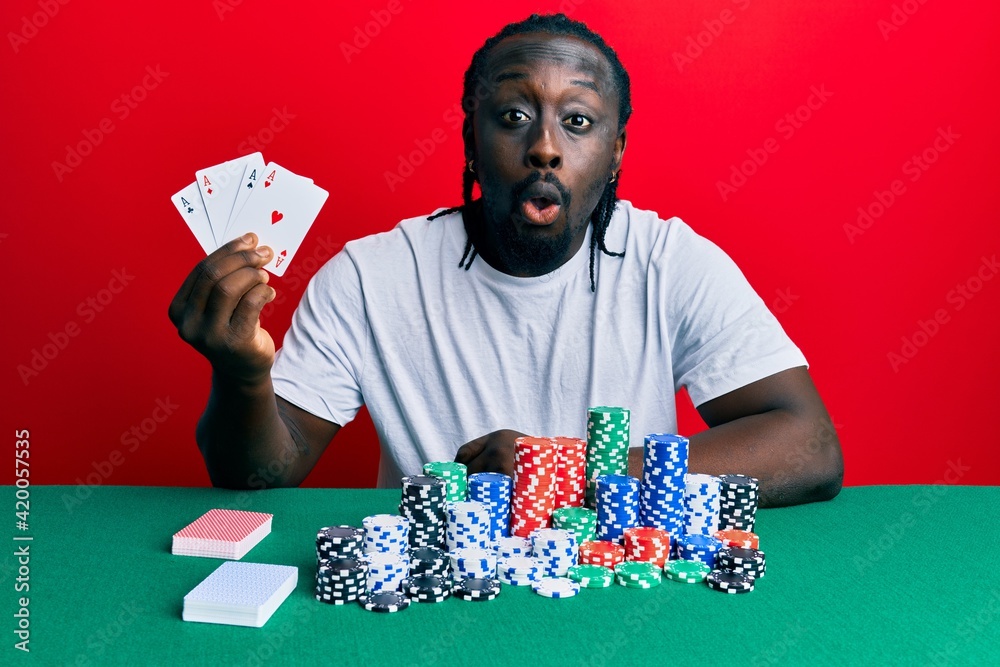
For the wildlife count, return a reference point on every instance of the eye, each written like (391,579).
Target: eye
(514,116)
(579,120)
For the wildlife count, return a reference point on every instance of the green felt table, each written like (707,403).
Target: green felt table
(897,575)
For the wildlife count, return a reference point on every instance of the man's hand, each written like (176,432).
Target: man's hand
(493,452)
(217,310)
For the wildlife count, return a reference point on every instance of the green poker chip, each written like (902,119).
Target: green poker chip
(591,576)
(607,445)
(638,572)
(686,571)
(455,476)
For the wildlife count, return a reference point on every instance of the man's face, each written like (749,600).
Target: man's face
(546,143)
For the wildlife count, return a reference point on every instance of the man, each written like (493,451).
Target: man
(457,363)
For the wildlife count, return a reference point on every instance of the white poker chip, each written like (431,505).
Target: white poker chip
(556,587)
(518,565)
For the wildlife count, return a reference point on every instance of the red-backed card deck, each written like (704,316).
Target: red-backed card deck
(222,534)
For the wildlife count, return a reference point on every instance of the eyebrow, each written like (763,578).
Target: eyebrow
(520,76)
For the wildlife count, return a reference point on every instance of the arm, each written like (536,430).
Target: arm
(249,437)
(777,430)
(252,439)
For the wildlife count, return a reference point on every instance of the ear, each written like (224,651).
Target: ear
(619,151)
(469,139)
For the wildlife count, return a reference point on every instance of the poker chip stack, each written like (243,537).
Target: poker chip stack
(534,485)
(750,562)
(339,542)
(701,548)
(509,547)
(427,588)
(454,475)
(650,545)
(477,590)
(592,576)
(341,580)
(637,574)
(387,533)
(600,552)
(430,561)
(473,563)
(556,587)
(385,602)
(617,505)
(738,538)
(571,465)
(493,490)
(423,504)
(728,581)
(519,570)
(738,503)
(686,571)
(607,446)
(386,571)
(468,526)
(555,549)
(580,520)
(665,463)
(701,503)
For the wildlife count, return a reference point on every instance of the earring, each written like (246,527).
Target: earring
(471,169)
(614,177)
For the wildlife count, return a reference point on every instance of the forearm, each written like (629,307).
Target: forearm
(244,441)
(796,458)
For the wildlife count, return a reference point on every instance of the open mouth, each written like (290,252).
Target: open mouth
(539,210)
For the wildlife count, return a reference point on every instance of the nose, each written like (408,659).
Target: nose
(543,149)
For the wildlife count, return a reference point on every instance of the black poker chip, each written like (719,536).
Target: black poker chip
(339,542)
(383,602)
(728,581)
(423,502)
(427,588)
(429,560)
(476,589)
(738,496)
(750,562)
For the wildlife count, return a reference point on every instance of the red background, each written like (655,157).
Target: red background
(848,302)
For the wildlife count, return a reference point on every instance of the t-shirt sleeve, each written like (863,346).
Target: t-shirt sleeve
(723,336)
(320,364)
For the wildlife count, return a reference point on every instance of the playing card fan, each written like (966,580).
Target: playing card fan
(246,195)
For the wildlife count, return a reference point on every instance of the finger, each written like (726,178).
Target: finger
(478,463)
(211,271)
(470,450)
(177,306)
(229,290)
(246,316)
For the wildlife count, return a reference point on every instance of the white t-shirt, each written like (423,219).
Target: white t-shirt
(441,355)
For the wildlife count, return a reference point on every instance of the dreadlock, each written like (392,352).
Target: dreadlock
(554,24)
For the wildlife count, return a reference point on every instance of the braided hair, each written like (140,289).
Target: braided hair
(555,24)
